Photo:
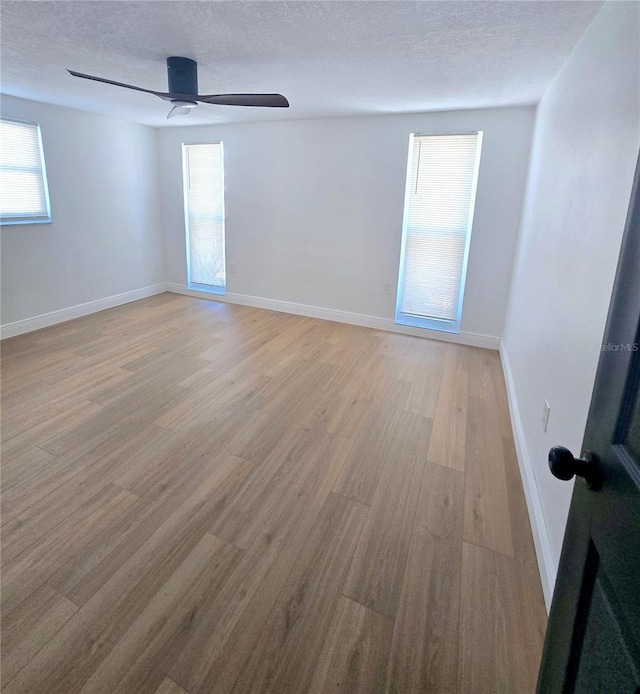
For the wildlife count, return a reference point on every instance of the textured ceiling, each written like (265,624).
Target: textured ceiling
(328,58)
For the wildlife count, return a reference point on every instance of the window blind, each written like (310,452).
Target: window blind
(203,169)
(441,186)
(24,198)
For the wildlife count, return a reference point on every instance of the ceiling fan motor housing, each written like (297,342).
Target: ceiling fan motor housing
(183,75)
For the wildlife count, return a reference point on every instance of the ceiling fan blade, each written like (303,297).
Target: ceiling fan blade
(268,100)
(179,110)
(162,95)
(265,100)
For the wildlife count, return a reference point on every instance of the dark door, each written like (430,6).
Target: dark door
(593,635)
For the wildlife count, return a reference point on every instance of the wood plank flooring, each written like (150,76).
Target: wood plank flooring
(201,498)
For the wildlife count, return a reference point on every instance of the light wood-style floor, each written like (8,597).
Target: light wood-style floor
(199,497)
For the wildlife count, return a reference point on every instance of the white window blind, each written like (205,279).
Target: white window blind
(203,170)
(24,197)
(441,187)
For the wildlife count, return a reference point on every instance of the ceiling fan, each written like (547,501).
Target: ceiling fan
(183,90)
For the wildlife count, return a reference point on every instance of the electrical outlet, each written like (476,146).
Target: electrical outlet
(387,287)
(232,268)
(545,415)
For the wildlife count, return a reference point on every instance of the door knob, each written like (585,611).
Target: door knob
(564,466)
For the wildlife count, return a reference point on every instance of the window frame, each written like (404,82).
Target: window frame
(11,221)
(197,286)
(432,323)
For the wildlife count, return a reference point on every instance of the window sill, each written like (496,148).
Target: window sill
(16,222)
(208,288)
(443,326)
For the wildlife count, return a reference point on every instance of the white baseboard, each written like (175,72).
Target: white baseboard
(27,325)
(471,339)
(546,565)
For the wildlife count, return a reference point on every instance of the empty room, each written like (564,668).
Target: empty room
(320,355)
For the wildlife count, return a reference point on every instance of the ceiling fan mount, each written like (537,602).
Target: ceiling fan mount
(182,75)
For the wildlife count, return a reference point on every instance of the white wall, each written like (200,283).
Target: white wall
(583,158)
(105,238)
(314,208)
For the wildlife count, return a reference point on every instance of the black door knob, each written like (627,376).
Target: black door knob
(564,466)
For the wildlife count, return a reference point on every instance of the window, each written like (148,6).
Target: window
(203,171)
(24,196)
(442,175)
